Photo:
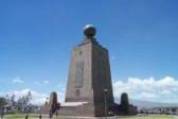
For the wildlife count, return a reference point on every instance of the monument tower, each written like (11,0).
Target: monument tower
(89,85)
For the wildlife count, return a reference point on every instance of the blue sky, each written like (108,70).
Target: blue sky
(37,36)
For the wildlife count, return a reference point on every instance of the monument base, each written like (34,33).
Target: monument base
(85,109)
(77,109)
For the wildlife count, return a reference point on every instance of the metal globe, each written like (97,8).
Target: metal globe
(89,30)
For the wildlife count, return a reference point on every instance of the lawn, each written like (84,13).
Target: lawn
(151,117)
(35,116)
(20,116)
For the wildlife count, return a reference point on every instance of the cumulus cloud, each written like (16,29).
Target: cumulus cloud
(149,89)
(17,80)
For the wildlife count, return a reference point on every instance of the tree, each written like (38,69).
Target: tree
(3,102)
(12,100)
(23,102)
(124,103)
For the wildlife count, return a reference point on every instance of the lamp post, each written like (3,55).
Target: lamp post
(105,101)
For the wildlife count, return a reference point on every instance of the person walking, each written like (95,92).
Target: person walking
(26,117)
(2,112)
(40,117)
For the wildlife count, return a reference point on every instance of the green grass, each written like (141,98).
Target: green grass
(35,116)
(20,116)
(151,117)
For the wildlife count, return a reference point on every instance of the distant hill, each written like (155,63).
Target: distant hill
(146,104)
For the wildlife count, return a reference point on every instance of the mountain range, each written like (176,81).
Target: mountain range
(148,104)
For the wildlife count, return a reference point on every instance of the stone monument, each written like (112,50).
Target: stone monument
(89,88)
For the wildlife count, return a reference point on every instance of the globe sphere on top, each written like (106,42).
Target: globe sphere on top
(89,30)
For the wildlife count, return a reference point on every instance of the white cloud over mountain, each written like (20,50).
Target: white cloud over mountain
(148,89)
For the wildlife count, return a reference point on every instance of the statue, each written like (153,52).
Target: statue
(54,105)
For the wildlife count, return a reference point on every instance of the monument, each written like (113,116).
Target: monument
(89,88)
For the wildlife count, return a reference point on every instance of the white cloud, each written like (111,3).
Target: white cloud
(149,89)
(17,80)
(46,82)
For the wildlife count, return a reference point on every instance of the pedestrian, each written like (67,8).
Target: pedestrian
(2,112)
(50,114)
(26,117)
(40,117)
